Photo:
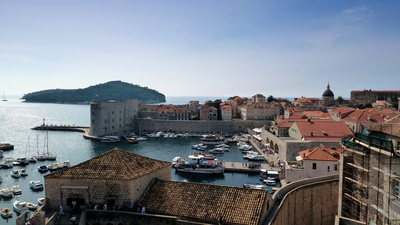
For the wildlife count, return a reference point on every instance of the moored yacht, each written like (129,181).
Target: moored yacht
(20,206)
(15,174)
(197,164)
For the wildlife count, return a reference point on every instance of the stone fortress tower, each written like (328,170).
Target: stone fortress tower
(328,98)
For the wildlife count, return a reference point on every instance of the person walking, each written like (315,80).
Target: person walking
(61,212)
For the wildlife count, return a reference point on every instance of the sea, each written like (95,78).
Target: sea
(17,118)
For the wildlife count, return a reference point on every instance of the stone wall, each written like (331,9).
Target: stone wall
(197,126)
(96,191)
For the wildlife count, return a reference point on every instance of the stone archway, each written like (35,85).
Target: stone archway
(276,148)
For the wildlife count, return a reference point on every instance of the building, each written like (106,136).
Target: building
(328,98)
(369,96)
(116,177)
(319,130)
(204,202)
(208,112)
(315,162)
(259,111)
(226,112)
(172,112)
(369,182)
(381,104)
(112,117)
(258,98)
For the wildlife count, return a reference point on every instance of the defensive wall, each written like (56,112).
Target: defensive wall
(308,201)
(197,126)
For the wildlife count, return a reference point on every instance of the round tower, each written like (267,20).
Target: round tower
(328,98)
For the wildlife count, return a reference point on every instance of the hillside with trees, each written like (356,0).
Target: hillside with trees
(113,90)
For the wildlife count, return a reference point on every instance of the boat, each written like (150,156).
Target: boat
(223,149)
(23,172)
(245,147)
(20,206)
(1,154)
(132,140)
(217,151)
(207,156)
(32,159)
(212,139)
(6,146)
(223,145)
(6,212)
(6,193)
(15,174)
(36,185)
(8,163)
(110,139)
(250,153)
(197,164)
(266,174)
(270,182)
(253,185)
(41,201)
(66,164)
(1,179)
(48,155)
(199,146)
(16,190)
(43,168)
(56,166)
(256,158)
(141,139)
(31,206)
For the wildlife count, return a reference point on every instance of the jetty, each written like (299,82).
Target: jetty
(62,128)
(245,167)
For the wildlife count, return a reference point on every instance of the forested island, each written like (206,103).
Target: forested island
(113,90)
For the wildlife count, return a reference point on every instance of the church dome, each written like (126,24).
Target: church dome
(328,92)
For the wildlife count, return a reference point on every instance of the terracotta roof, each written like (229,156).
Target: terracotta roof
(316,114)
(322,154)
(115,164)
(370,115)
(295,109)
(297,116)
(323,129)
(204,202)
(378,91)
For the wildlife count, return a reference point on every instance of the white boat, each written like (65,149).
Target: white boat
(256,158)
(6,193)
(23,172)
(1,179)
(16,190)
(8,163)
(1,153)
(269,174)
(20,206)
(217,151)
(270,182)
(141,139)
(199,146)
(15,174)
(250,153)
(32,159)
(245,147)
(31,206)
(110,139)
(197,164)
(222,146)
(212,139)
(223,149)
(43,168)
(6,212)
(253,185)
(56,166)
(66,164)
(36,185)
(41,201)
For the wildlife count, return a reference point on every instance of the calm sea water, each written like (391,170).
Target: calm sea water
(17,118)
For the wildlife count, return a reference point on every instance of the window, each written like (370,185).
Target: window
(329,168)
(314,166)
(336,167)
(397,189)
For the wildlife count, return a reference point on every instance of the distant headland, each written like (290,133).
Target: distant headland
(113,90)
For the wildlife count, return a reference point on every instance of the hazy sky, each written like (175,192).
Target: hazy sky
(201,48)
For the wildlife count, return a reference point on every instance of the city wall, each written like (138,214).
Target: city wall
(197,126)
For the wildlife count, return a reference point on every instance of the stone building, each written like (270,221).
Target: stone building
(116,177)
(328,98)
(226,111)
(258,98)
(259,111)
(112,117)
(370,96)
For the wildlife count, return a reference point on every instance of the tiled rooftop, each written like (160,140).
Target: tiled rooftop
(322,154)
(115,164)
(204,202)
(325,129)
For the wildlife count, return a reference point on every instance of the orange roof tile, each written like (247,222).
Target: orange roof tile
(322,154)
(323,129)
(115,164)
(204,202)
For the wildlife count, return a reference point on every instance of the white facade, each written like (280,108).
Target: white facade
(112,117)
(311,169)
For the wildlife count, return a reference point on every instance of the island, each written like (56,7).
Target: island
(113,90)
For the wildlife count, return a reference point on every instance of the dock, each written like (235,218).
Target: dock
(243,167)
(62,128)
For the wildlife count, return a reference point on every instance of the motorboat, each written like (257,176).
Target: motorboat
(41,201)
(31,206)
(36,185)
(8,163)
(207,156)
(41,157)
(253,185)
(223,148)
(245,147)
(50,156)
(212,139)
(199,146)
(16,190)
(32,159)
(223,145)
(141,139)
(176,160)
(21,161)
(110,139)
(250,153)
(270,182)
(269,174)
(197,164)
(23,172)
(6,212)
(56,166)
(43,168)
(132,140)
(1,153)
(217,151)
(256,158)
(66,164)
(20,206)
(6,193)
(15,174)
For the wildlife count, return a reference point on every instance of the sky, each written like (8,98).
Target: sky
(287,48)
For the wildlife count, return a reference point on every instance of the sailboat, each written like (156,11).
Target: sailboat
(47,155)
(4,100)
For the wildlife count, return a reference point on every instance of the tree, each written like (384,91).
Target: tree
(271,98)
(340,100)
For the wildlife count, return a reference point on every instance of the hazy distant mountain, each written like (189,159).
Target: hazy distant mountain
(113,90)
